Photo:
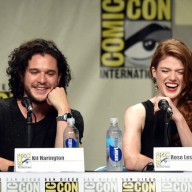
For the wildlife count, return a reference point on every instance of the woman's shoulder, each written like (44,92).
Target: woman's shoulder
(135,110)
(135,116)
(139,106)
(140,109)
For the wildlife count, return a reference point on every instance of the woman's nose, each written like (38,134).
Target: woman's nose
(172,76)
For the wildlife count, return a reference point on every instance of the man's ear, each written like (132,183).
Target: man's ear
(59,78)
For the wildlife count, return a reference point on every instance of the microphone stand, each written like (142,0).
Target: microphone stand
(166,132)
(29,128)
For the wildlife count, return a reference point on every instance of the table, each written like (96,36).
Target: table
(96,182)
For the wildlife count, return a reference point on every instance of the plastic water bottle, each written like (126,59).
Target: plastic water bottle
(114,146)
(71,135)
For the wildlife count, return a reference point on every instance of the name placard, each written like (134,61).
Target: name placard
(172,158)
(49,160)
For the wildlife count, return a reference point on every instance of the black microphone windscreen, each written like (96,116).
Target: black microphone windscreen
(163,104)
(26,102)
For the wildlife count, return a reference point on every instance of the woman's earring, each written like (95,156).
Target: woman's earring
(155,83)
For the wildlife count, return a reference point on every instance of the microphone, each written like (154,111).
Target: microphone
(164,106)
(26,102)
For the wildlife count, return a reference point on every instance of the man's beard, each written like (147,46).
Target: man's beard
(33,98)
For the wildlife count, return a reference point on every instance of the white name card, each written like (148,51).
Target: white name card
(49,160)
(172,158)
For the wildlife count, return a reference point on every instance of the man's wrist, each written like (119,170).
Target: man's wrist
(63,117)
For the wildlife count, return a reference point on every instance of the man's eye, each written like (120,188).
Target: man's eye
(34,72)
(165,71)
(51,74)
(180,72)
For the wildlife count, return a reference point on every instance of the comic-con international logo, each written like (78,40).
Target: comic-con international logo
(101,185)
(130,33)
(180,185)
(24,160)
(61,186)
(163,159)
(139,186)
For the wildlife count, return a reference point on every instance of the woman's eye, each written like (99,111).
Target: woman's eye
(165,71)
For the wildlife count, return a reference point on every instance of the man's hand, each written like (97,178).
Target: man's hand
(58,99)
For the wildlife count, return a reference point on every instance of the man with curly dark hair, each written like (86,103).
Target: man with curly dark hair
(38,71)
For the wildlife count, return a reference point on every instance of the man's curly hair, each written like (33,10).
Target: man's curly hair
(18,62)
